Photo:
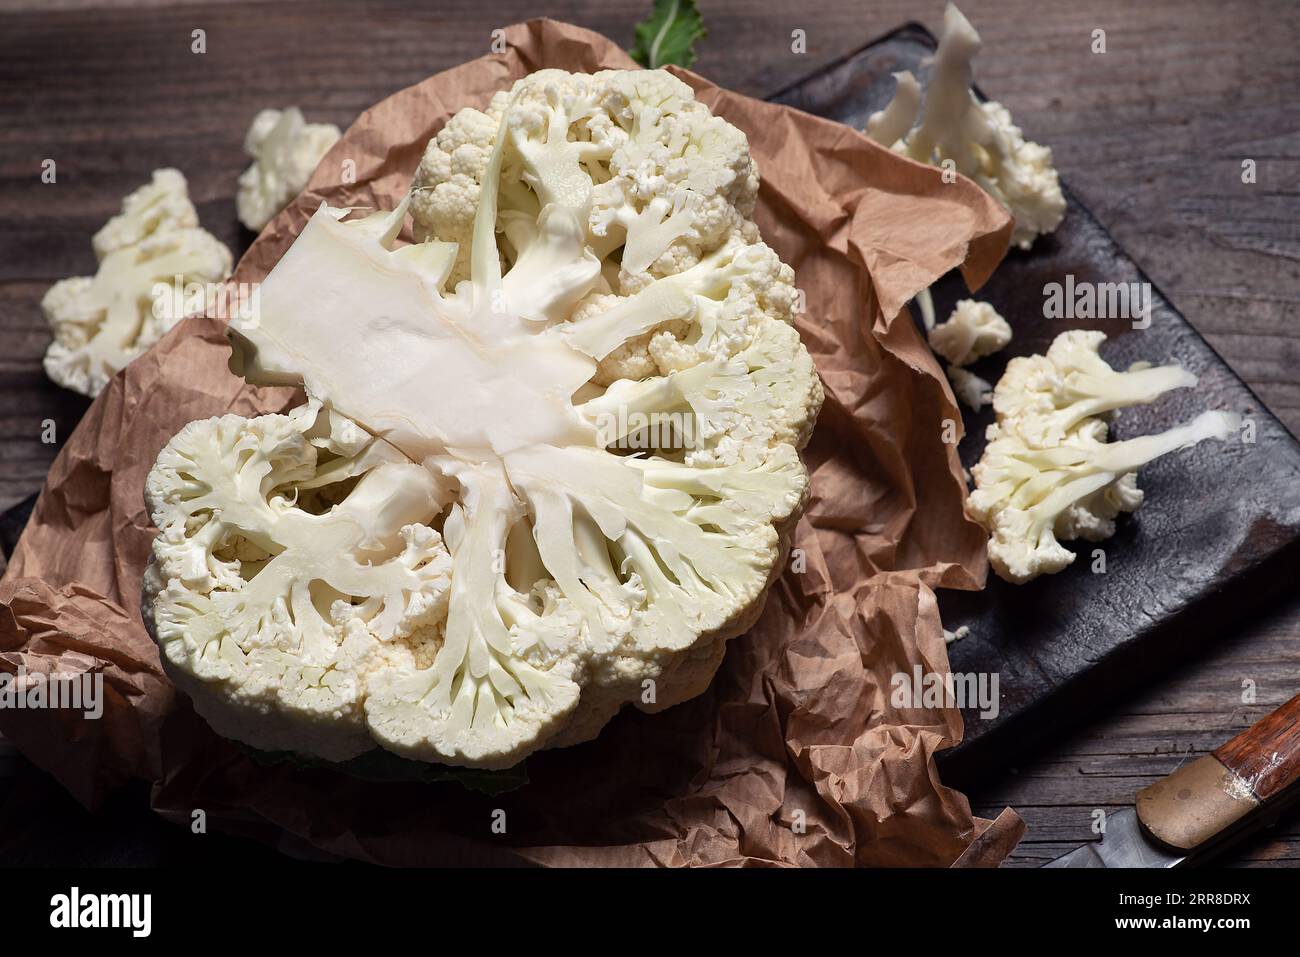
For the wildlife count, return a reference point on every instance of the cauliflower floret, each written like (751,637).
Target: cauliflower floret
(447,182)
(102,323)
(1048,471)
(668,181)
(681,180)
(610,473)
(286,150)
(1019,174)
(973,331)
(979,139)
(731,293)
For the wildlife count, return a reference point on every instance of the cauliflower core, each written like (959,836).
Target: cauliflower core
(101,323)
(979,139)
(1048,471)
(549,457)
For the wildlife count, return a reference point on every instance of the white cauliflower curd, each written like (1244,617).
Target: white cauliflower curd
(973,331)
(549,458)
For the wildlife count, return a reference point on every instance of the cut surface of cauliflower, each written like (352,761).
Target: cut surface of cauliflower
(672,181)
(472,543)
(973,331)
(286,150)
(146,253)
(979,139)
(1048,472)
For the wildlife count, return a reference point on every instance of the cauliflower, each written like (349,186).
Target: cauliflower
(470,543)
(973,331)
(286,150)
(979,139)
(153,247)
(1048,471)
(970,388)
(950,636)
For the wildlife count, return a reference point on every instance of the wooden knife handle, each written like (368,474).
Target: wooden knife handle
(1220,793)
(1267,754)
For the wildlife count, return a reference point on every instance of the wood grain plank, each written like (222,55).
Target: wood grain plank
(1200,705)
(1267,755)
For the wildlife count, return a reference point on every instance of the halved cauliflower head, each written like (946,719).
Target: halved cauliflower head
(549,457)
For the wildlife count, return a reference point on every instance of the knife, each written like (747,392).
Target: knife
(1202,807)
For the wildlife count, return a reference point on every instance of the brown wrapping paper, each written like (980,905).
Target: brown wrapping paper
(794,756)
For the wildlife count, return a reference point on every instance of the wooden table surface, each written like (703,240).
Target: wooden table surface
(1151,135)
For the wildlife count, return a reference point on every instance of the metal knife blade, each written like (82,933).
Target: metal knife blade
(1122,845)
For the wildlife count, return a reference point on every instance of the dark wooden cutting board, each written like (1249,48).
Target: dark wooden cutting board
(1218,537)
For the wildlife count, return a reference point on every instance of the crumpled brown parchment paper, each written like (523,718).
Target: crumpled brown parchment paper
(794,756)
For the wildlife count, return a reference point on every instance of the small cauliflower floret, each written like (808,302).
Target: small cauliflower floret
(102,323)
(286,150)
(610,471)
(1019,173)
(973,391)
(162,205)
(973,331)
(657,352)
(1048,472)
(979,139)
(730,294)
(950,636)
